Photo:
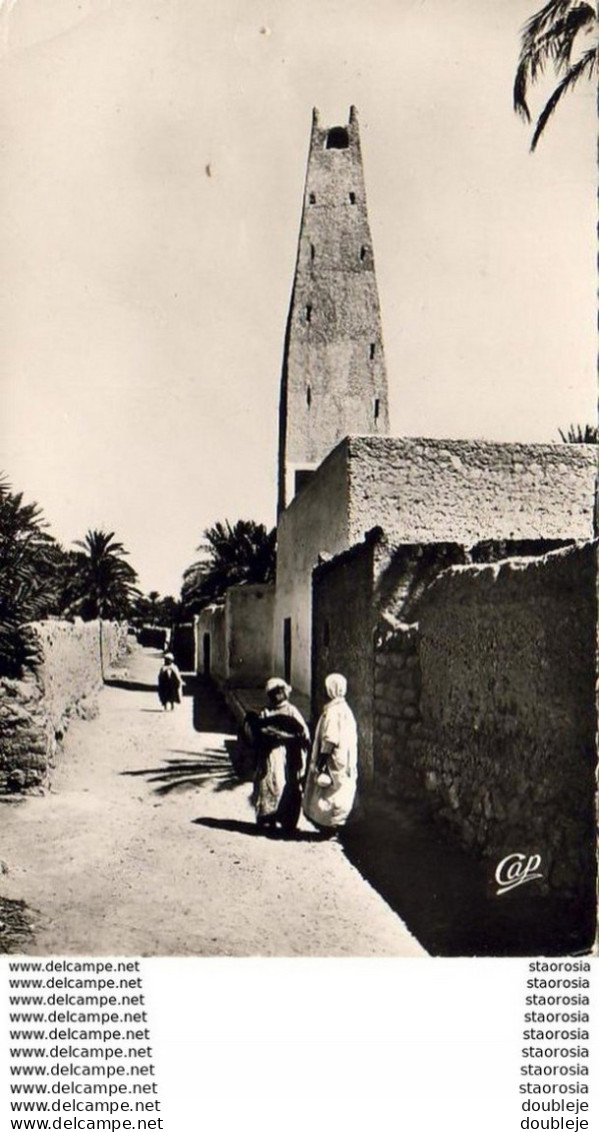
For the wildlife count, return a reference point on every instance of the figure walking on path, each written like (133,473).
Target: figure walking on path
(170,683)
(333,768)
(281,737)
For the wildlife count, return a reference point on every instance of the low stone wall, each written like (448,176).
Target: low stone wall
(508,665)
(62,678)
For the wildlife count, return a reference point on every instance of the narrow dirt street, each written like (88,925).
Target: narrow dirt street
(146,845)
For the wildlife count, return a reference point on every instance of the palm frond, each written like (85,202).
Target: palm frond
(231,553)
(583,68)
(101,583)
(549,38)
(579,434)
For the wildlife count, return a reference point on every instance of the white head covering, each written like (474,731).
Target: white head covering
(277,682)
(335,686)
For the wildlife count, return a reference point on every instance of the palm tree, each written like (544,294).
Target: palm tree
(152,609)
(562,36)
(103,583)
(231,553)
(577,434)
(30,565)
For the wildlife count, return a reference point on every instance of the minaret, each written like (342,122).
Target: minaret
(334,381)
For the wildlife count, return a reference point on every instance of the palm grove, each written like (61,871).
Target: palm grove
(39,578)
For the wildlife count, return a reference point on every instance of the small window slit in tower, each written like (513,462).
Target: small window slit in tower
(309,313)
(312,251)
(377,406)
(312,198)
(372,350)
(309,395)
(352,198)
(363,253)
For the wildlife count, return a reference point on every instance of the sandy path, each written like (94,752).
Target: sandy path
(146,846)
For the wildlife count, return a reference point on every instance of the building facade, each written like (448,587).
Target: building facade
(422,491)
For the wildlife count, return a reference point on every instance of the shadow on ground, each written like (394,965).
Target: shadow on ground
(130,685)
(443,893)
(250,829)
(446,896)
(213,768)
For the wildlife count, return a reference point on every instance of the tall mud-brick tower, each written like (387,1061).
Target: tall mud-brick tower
(334,381)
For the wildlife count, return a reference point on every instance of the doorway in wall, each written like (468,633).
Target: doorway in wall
(206,654)
(287,649)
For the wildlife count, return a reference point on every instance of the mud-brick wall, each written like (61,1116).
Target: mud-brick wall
(507,657)
(249,630)
(464,491)
(342,638)
(356,597)
(397,722)
(61,678)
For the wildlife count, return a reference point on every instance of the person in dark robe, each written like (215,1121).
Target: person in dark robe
(281,739)
(170,683)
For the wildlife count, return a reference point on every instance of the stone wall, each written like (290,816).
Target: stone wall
(357,596)
(508,670)
(425,491)
(468,491)
(397,722)
(62,678)
(403,574)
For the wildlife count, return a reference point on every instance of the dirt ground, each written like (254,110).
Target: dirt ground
(146,845)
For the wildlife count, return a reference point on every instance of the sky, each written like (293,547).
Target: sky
(153,155)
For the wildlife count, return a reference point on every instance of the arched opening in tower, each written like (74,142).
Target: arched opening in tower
(337,138)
